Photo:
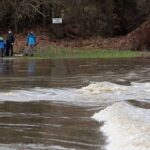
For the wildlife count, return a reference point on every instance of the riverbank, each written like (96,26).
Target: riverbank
(135,40)
(52,52)
(61,52)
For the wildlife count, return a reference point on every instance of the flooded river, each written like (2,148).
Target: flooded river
(95,104)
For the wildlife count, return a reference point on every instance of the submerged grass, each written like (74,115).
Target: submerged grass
(58,53)
(52,52)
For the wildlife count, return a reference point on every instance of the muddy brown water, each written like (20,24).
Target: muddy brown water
(52,125)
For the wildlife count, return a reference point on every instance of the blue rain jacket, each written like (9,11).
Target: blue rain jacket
(31,39)
(2,44)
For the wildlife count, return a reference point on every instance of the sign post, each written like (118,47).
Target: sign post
(57,20)
(57,24)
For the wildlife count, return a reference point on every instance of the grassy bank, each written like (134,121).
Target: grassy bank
(64,53)
(57,52)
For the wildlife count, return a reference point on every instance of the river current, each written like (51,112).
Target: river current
(90,104)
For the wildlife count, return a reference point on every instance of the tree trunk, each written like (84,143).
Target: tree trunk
(109,13)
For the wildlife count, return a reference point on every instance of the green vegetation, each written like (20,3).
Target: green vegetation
(59,53)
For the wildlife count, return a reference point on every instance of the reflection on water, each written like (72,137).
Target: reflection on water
(31,68)
(6,67)
(49,124)
(15,74)
(51,118)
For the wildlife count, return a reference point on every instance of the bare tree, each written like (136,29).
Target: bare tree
(80,17)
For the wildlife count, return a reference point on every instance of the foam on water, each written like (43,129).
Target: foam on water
(127,127)
(94,94)
(115,92)
(31,147)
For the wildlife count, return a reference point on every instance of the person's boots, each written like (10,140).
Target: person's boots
(7,52)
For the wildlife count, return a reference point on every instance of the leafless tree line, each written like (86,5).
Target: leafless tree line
(80,17)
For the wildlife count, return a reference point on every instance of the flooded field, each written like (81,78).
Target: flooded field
(75,104)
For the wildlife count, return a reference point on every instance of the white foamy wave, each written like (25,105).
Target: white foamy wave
(103,87)
(127,127)
(47,94)
(94,94)
(31,147)
(115,92)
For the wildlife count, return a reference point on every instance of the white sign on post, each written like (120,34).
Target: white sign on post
(57,20)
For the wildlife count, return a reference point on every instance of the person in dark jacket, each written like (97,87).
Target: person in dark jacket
(31,43)
(10,43)
(2,47)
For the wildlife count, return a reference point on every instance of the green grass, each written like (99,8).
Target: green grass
(61,53)
(52,52)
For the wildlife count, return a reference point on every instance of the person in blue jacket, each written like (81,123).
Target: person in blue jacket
(2,47)
(31,43)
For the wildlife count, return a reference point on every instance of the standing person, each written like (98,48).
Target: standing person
(2,47)
(31,43)
(10,43)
